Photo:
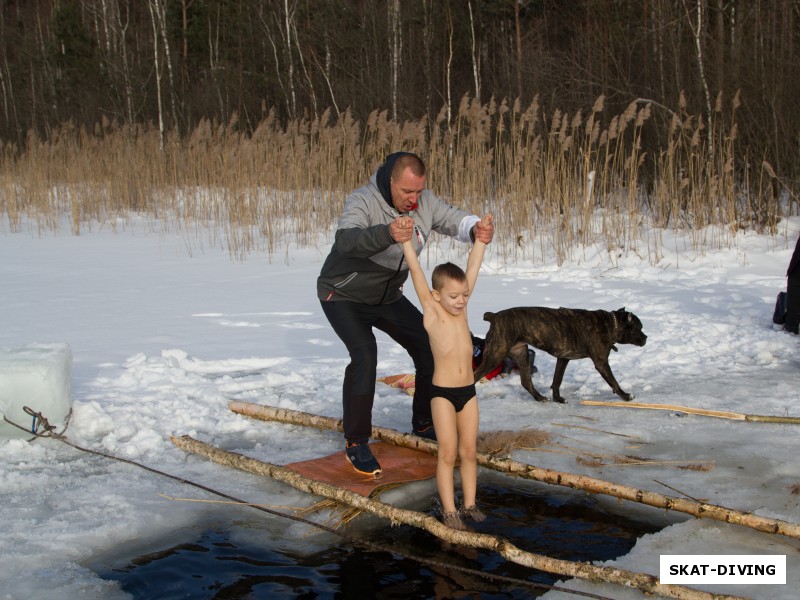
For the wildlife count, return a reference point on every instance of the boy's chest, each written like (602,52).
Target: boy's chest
(448,333)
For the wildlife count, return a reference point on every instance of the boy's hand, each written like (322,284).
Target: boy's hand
(401,229)
(484,229)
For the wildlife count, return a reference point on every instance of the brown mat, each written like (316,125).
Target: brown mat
(400,465)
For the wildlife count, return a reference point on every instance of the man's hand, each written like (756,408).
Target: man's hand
(484,229)
(401,229)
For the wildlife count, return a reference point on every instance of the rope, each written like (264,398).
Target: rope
(50,432)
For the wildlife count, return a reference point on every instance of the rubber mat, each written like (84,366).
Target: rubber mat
(400,465)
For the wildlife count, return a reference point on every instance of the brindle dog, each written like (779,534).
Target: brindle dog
(567,334)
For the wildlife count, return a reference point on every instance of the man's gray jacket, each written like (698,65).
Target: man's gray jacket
(365,264)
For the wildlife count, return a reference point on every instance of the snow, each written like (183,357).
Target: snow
(162,335)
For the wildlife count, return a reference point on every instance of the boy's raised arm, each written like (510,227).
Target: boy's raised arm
(476,257)
(415,269)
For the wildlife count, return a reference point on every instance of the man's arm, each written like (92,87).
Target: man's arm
(357,234)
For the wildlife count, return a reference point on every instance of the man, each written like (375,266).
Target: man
(793,291)
(360,287)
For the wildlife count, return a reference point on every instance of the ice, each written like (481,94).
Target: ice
(36,376)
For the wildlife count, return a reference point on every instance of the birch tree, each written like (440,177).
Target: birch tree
(697,31)
(396,48)
(288,16)
(160,14)
(476,61)
(156,63)
(518,38)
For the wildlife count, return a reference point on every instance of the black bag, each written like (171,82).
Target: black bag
(779,316)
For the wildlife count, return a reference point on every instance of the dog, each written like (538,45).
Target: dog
(567,334)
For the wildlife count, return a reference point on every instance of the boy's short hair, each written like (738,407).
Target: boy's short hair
(445,271)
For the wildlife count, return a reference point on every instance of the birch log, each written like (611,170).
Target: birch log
(648,584)
(720,414)
(526,471)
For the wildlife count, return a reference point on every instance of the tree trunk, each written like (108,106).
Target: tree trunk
(526,471)
(393,8)
(519,50)
(427,36)
(156,64)
(646,583)
(126,69)
(213,61)
(312,92)
(719,39)
(476,62)
(9,107)
(698,44)
(161,9)
(288,18)
(185,4)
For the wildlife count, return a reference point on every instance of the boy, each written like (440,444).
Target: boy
(453,402)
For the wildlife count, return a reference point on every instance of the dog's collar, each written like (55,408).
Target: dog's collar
(616,330)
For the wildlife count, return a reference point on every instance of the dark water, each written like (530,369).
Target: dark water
(561,525)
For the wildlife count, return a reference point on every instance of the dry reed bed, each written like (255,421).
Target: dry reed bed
(554,181)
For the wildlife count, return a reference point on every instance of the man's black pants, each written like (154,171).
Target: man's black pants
(793,301)
(401,321)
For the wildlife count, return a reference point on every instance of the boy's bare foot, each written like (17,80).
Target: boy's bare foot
(474,513)
(453,521)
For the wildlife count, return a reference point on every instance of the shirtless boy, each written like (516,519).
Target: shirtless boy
(453,402)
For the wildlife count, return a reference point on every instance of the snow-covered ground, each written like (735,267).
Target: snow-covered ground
(162,338)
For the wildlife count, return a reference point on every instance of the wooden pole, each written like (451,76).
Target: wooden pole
(648,584)
(721,414)
(526,471)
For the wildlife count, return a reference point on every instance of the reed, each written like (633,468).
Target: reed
(555,182)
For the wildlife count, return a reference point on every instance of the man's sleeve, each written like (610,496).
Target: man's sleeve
(465,229)
(452,221)
(355,236)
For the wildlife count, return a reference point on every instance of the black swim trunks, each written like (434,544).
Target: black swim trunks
(458,396)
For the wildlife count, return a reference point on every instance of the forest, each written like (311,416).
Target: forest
(710,88)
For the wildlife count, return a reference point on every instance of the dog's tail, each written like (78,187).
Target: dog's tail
(488,316)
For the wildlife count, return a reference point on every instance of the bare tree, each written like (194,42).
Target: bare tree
(427,33)
(449,95)
(393,11)
(476,62)
(112,28)
(6,84)
(518,37)
(287,87)
(326,71)
(151,4)
(185,6)
(719,45)
(122,34)
(309,80)
(288,18)
(697,32)
(160,13)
